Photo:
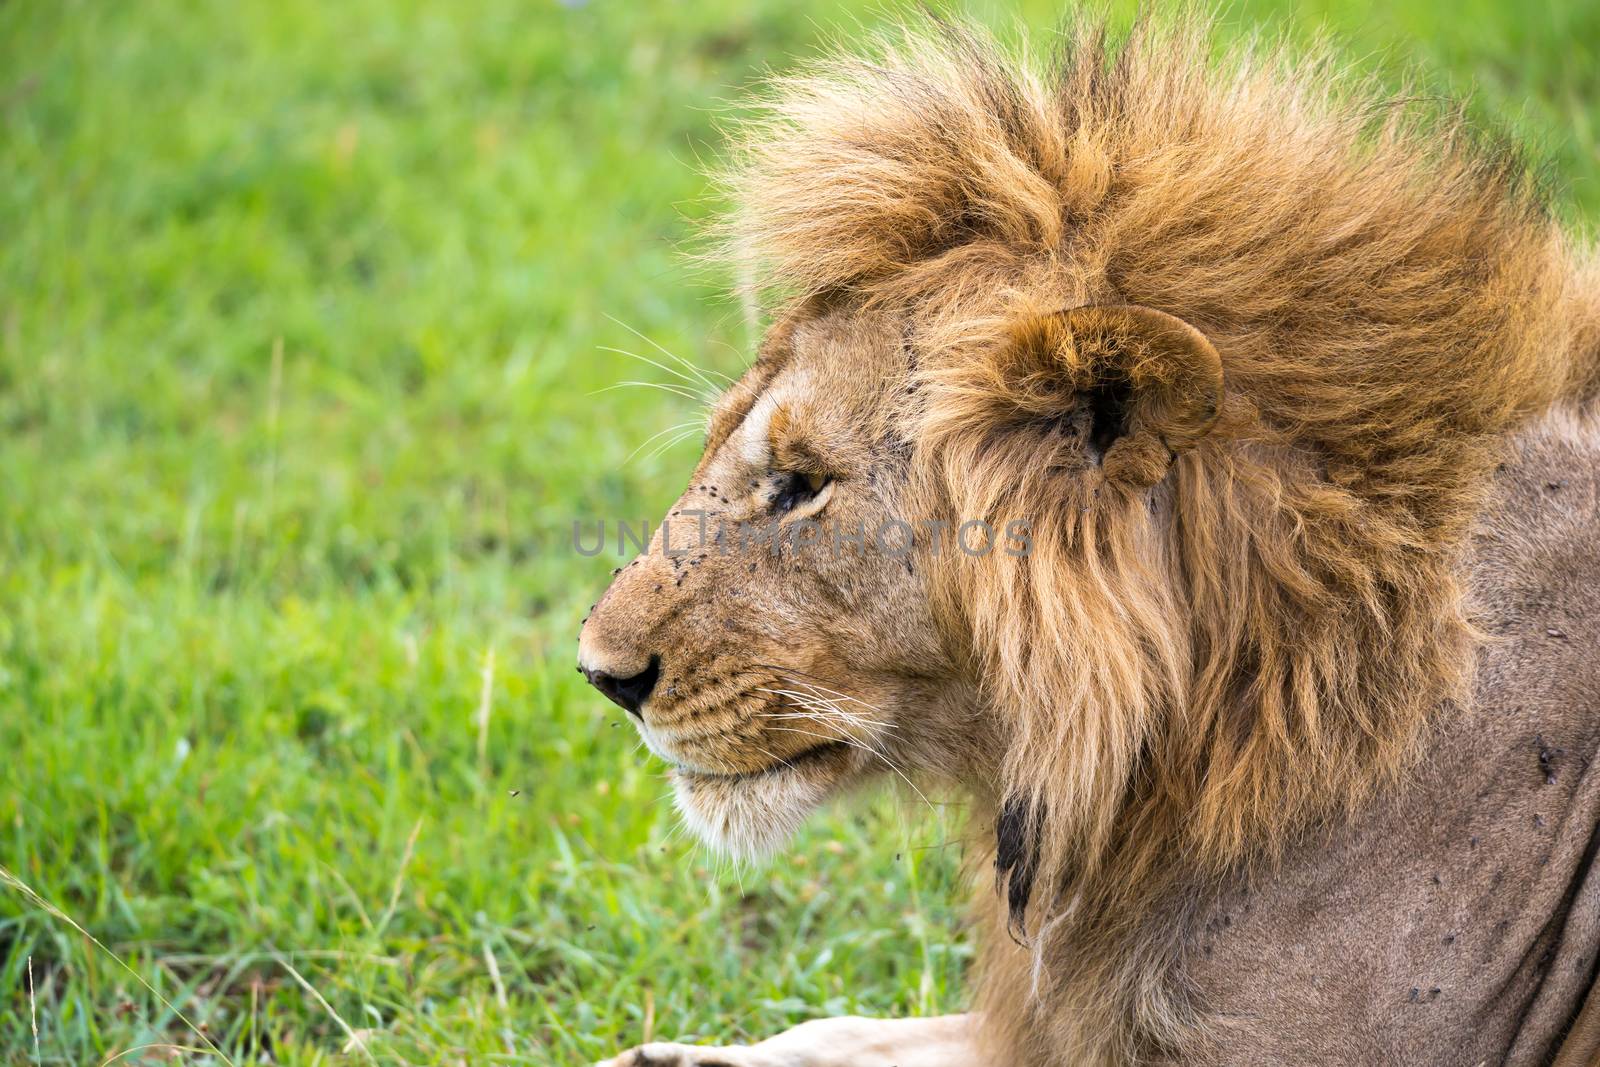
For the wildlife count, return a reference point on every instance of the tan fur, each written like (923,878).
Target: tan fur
(1234,634)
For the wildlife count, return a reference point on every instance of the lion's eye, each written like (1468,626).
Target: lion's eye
(795,488)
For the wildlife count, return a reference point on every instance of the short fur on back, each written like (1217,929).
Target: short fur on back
(1389,301)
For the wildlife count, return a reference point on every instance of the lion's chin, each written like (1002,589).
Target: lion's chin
(751,816)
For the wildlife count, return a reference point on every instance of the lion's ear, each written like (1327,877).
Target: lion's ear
(1151,382)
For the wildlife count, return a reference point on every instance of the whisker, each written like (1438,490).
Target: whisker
(693,369)
(815,715)
(843,738)
(791,672)
(870,751)
(811,716)
(661,433)
(658,346)
(812,701)
(666,387)
(671,429)
(823,701)
(836,694)
(831,703)
(805,701)
(686,435)
(674,371)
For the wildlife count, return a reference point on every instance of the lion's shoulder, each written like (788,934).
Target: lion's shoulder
(1472,891)
(1534,542)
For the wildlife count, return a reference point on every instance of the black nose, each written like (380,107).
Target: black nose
(627,693)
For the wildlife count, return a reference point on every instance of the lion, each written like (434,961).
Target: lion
(1193,462)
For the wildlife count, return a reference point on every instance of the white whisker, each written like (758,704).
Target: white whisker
(686,435)
(810,702)
(697,371)
(815,715)
(822,713)
(675,372)
(816,702)
(836,694)
(790,674)
(871,752)
(661,433)
(666,387)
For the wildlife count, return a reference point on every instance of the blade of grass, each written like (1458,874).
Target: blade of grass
(56,913)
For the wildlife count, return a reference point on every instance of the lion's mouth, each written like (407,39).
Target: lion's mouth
(814,754)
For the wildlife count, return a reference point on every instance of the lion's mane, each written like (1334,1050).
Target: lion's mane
(1184,679)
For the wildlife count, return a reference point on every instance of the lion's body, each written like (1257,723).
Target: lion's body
(1455,920)
(1245,351)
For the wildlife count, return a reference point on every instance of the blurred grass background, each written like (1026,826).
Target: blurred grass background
(303,310)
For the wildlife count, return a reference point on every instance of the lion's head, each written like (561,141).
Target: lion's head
(782,637)
(1236,352)
(771,663)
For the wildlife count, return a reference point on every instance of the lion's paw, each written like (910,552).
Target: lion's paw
(668,1055)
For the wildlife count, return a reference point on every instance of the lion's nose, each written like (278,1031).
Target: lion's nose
(627,693)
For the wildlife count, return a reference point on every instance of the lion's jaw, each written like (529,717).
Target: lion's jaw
(752,816)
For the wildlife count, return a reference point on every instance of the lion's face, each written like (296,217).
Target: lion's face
(772,674)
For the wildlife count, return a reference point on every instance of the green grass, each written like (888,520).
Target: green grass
(301,307)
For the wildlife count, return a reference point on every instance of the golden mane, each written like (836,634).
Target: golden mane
(1187,677)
